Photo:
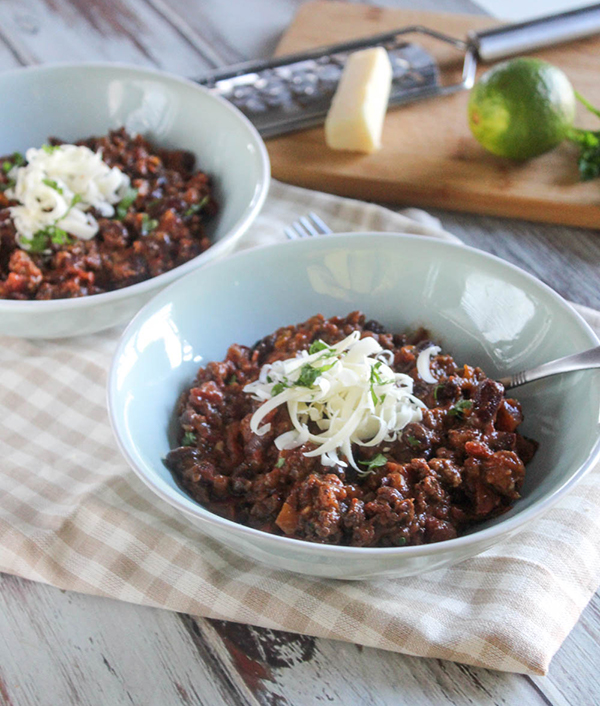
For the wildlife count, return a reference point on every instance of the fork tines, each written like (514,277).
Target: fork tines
(308,226)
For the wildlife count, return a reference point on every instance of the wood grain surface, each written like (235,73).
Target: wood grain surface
(64,649)
(429,157)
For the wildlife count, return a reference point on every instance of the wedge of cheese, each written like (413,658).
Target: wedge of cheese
(355,120)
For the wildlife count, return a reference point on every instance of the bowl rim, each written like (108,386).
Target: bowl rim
(249,215)
(502,529)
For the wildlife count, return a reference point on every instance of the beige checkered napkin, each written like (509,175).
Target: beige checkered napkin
(73,515)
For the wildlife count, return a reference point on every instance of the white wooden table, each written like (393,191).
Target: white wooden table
(59,648)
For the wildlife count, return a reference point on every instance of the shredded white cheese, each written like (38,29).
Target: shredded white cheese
(424,363)
(58,185)
(347,391)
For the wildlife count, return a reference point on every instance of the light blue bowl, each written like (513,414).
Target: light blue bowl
(73,102)
(484,312)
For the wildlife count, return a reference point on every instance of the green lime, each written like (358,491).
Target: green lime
(521,108)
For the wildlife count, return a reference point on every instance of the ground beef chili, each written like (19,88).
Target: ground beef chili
(463,463)
(163,228)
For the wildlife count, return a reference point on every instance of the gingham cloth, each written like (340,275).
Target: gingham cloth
(72,514)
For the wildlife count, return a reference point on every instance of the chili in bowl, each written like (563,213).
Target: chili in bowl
(232,416)
(114,181)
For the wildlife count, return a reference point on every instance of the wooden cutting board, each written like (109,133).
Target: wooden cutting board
(429,157)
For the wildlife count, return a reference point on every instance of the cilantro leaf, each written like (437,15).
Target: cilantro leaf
(280,462)
(589,145)
(413,441)
(309,374)
(148,224)
(371,465)
(50,149)
(38,243)
(459,408)
(126,202)
(317,346)
(278,388)
(53,185)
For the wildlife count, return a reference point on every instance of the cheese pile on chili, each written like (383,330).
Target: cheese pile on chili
(56,188)
(336,396)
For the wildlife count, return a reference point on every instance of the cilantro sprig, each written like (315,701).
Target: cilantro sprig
(371,465)
(588,142)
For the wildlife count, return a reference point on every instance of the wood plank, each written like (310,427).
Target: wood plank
(76,30)
(66,648)
(429,157)
(574,670)
(233,34)
(567,259)
(303,670)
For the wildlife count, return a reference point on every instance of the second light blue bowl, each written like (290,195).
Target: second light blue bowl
(482,310)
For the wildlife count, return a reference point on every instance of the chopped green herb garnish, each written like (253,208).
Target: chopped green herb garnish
(413,441)
(460,407)
(197,207)
(126,202)
(9,185)
(77,198)
(53,185)
(17,160)
(400,541)
(189,439)
(317,346)
(58,236)
(309,374)
(278,388)
(148,224)
(41,240)
(436,390)
(232,380)
(36,244)
(280,463)
(50,149)
(376,462)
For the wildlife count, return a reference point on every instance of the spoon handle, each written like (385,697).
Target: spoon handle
(579,361)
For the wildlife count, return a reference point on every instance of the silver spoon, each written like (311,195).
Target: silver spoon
(579,361)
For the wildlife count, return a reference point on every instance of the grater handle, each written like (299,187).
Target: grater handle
(508,40)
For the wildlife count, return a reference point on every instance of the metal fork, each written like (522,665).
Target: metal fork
(309,226)
(579,361)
